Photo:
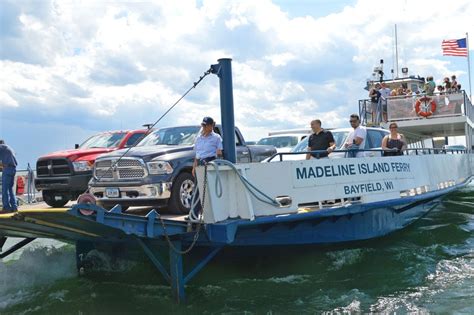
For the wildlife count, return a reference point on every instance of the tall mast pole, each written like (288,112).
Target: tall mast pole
(396,51)
(468,65)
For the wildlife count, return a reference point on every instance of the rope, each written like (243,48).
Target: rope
(247,184)
(150,128)
(197,218)
(196,235)
(192,218)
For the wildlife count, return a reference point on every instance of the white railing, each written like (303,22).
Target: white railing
(404,107)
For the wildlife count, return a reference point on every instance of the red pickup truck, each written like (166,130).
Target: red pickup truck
(64,175)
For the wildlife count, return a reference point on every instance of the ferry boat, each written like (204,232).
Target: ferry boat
(318,201)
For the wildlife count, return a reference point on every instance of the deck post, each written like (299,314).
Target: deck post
(224,71)
(176,271)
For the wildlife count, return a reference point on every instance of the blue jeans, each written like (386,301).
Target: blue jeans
(8,197)
(353,150)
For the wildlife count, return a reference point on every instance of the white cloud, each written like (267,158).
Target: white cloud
(7,100)
(104,63)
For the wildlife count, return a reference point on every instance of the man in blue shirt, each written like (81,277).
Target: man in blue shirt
(8,163)
(208,147)
(208,144)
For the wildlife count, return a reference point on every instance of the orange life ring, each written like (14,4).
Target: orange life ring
(425,110)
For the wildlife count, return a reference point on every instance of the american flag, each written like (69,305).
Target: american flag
(454,47)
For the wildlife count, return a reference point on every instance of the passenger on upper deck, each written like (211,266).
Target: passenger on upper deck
(320,139)
(430,85)
(447,85)
(454,84)
(374,95)
(394,143)
(401,91)
(440,89)
(385,93)
(356,138)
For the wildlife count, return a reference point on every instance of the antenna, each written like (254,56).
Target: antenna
(396,51)
(381,70)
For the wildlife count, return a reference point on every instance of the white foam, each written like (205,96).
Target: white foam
(345,257)
(36,266)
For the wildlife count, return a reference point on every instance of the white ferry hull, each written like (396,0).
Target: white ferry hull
(380,196)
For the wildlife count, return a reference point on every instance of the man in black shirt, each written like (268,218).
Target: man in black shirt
(320,139)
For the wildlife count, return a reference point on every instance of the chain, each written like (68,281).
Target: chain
(199,224)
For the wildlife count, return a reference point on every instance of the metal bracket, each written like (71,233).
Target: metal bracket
(216,69)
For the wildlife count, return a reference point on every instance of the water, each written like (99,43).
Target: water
(426,268)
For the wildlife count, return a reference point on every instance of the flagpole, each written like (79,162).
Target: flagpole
(468,65)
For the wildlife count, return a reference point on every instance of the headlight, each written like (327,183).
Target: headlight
(82,166)
(159,167)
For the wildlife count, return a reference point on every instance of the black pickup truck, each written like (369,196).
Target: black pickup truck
(157,172)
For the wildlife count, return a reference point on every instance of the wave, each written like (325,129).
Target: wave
(35,267)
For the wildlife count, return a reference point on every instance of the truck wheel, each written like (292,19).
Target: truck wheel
(181,194)
(55,199)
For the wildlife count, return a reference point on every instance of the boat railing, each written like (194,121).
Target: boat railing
(409,151)
(404,107)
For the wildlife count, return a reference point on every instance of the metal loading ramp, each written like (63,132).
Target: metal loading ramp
(88,225)
(85,222)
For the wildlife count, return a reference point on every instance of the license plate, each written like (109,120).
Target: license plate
(112,192)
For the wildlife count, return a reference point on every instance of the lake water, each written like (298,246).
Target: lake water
(425,268)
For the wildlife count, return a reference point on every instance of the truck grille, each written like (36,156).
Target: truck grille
(122,163)
(126,168)
(53,167)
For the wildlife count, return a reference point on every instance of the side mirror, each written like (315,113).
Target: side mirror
(76,146)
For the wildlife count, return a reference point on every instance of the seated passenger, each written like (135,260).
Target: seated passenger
(394,143)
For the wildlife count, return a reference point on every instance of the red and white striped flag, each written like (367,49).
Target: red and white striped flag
(454,47)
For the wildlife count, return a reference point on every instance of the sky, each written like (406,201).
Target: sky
(70,69)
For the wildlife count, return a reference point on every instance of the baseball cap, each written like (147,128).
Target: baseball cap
(207,121)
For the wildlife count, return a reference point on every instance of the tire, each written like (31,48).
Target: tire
(181,194)
(50,198)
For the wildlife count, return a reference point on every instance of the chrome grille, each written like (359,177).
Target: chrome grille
(138,173)
(127,162)
(104,173)
(126,168)
(103,163)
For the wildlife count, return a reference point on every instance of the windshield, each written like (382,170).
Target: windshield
(339,137)
(103,140)
(171,136)
(279,142)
